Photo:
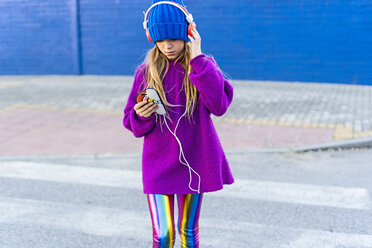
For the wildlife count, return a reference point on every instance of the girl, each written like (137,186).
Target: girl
(187,158)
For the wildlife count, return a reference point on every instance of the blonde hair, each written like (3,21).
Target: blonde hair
(157,66)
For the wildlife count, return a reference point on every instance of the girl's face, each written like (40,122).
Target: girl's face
(171,48)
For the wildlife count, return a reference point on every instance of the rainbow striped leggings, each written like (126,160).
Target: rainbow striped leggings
(162,211)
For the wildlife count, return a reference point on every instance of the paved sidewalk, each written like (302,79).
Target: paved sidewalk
(52,115)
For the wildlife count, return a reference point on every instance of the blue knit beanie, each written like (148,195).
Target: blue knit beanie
(167,22)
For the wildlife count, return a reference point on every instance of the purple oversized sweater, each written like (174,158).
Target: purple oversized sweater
(162,172)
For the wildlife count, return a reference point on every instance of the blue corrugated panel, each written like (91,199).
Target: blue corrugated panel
(37,37)
(310,41)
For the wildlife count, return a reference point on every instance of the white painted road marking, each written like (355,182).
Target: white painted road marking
(71,174)
(89,220)
(331,196)
(311,239)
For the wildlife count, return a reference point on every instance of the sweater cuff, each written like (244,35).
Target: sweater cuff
(199,63)
(146,118)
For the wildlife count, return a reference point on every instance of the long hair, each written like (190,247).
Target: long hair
(157,66)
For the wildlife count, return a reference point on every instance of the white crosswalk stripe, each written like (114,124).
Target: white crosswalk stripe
(310,239)
(331,196)
(90,220)
(71,174)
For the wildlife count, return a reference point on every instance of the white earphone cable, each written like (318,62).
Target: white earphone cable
(183,155)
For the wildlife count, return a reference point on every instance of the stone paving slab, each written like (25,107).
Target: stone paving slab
(83,115)
(32,130)
(43,131)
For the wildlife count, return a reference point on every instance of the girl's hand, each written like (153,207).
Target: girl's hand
(144,108)
(195,43)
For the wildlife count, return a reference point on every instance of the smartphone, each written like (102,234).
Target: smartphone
(153,96)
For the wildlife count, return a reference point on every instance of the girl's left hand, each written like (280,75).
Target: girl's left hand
(195,43)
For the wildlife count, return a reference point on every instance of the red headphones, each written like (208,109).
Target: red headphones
(189,18)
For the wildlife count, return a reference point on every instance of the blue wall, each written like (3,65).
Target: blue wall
(38,37)
(309,41)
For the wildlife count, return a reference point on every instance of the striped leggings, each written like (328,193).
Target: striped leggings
(162,210)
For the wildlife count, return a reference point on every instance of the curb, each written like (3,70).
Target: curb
(365,142)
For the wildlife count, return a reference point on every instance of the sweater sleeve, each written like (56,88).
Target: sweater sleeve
(216,93)
(138,125)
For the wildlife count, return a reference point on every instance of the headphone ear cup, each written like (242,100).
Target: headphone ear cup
(148,35)
(190,28)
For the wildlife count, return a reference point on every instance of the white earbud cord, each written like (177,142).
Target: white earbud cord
(183,155)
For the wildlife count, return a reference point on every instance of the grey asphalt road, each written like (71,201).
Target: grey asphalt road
(281,200)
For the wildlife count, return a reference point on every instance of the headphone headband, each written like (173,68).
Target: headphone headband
(189,17)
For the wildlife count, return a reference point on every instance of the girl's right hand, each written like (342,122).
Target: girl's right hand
(144,108)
